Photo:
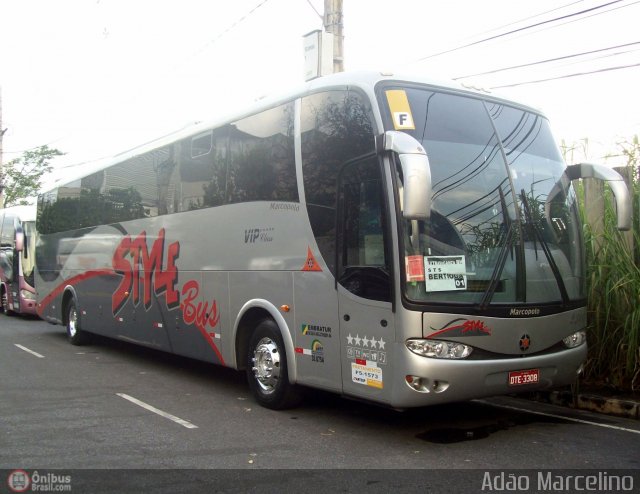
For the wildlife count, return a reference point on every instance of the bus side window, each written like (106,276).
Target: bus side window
(6,249)
(363,259)
(336,127)
(203,170)
(262,157)
(8,231)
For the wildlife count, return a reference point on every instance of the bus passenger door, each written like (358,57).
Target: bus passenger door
(364,280)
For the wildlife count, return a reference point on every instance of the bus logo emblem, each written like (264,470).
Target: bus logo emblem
(311,264)
(525,342)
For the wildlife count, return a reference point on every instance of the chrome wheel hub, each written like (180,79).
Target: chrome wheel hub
(73,323)
(266,365)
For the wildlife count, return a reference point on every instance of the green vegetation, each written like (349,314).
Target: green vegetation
(23,176)
(613,287)
(613,311)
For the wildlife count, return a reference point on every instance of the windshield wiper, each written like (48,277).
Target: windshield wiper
(497,271)
(502,256)
(545,247)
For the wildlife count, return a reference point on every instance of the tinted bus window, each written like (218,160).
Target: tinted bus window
(7,239)
(131,187)
(336,127)
(203,170)
(8,230)
(261,157)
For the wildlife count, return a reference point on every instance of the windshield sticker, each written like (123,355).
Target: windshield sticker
(445,273)
(415,268)
(400,109)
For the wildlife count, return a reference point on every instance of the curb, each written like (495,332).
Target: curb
(595,403)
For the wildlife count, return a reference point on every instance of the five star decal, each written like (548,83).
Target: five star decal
(366,342)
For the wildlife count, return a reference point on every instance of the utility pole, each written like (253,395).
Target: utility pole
(333,24)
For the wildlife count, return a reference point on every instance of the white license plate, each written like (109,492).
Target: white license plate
(518,378)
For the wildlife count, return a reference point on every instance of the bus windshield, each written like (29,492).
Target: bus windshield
(503,226)
(28,254)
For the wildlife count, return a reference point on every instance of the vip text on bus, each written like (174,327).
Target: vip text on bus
(385,238)
(17,260)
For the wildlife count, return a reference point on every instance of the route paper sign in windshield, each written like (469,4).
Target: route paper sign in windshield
(445,273)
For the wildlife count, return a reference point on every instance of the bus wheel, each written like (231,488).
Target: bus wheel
(5,303)
(75,335)
(267,368)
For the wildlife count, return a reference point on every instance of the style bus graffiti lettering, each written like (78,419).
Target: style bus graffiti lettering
(133,254)
(138,265)
(201,313)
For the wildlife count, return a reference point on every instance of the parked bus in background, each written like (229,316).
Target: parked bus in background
(17,259)
(386,238)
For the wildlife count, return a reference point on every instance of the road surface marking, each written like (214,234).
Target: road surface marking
(166,415)
(570,419)
(29,351)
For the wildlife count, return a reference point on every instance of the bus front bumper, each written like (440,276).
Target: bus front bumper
(442,381)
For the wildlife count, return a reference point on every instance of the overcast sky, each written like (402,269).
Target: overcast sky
(96,77)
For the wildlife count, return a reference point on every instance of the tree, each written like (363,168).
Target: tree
(22,177)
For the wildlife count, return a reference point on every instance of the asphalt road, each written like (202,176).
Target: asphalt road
(112,405)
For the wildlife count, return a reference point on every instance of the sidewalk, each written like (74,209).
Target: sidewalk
(592,399)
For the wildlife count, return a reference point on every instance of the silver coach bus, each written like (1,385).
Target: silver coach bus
(385,238)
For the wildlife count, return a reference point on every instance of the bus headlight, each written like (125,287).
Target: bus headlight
(576,339)
(439,349)
(27,295)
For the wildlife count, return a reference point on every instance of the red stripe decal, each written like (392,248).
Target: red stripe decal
(74,280)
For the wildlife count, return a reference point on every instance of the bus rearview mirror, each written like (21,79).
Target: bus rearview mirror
(616,182)
(416,172)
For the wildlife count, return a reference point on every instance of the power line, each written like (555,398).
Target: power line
(600,57)
(591,15)
(231,27)
(548,60)
(578,74)
(513,31)
(315,10)
(527,18)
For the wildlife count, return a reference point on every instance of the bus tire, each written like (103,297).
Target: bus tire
(5,303)
(75,335)
(267,368)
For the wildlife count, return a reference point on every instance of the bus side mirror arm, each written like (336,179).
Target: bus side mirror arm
(617,184)
(416,197)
